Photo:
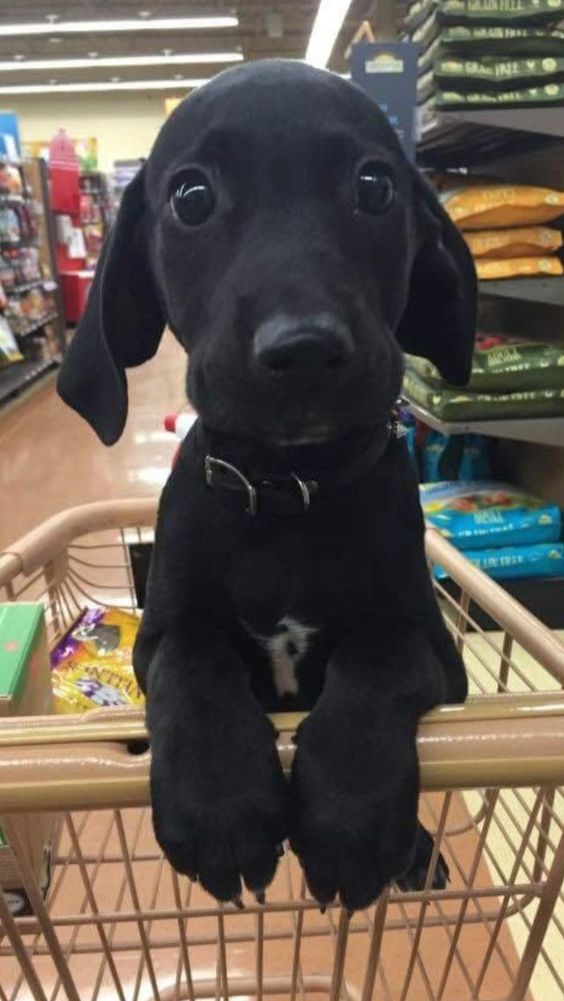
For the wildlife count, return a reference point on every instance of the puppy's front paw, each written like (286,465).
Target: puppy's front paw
(353,820)
(220,815)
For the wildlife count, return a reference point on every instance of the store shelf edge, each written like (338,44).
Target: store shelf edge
(538,430)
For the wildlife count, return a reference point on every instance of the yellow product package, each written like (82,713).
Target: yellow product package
(495,206)
(92,666)
(518,267)
(527,241)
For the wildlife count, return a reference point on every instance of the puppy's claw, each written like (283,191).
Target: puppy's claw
(323,909)
(260,896)
(280,850)
(238,903)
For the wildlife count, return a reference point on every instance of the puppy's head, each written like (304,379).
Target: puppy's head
(279,231)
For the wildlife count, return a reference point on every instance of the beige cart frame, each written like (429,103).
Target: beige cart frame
(117,922)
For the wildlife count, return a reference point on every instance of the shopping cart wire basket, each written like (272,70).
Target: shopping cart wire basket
(118,922)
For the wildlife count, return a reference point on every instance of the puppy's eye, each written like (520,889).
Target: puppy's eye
(374,188)
(191,197)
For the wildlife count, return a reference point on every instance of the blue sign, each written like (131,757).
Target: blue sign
(387,71)
(9,135)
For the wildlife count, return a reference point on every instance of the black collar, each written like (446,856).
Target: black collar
(249,487)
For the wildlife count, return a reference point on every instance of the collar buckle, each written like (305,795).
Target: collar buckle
(223,470)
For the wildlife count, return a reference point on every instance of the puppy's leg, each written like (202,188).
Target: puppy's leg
(219,796)
(355,780)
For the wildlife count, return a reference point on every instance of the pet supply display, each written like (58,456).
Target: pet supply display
(454,457)
(486,515)
(475,12)
(9,350)
(499,40)
(499,206)
(505,363)
(516,562)
(451,404)
(533,97)
(92,664)
(493,73)
(25,690)
(523,241)
(518,267)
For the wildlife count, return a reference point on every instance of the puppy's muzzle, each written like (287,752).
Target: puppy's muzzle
(303,346)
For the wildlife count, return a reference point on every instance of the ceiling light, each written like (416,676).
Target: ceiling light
(18,56)
(52,17)
(144,13)
(179,59)
(115,79)
(129,24)
(78,88)
(52,81)
(326,27)
(55,40)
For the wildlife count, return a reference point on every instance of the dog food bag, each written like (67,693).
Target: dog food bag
(508,12)
(92,666)
(518,267)
(528,97)
(497,206)
(497,74)
(475,42)
(505,363)
(455,457)
(515,562)
(524,241)
(479,515)
(451,404)
(9,350)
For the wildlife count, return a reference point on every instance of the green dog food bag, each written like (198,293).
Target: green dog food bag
(476,42)
(533,97)
(509,12)
(497,74)
(456,405)
(506,364)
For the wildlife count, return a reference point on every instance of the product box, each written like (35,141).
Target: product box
(25,690)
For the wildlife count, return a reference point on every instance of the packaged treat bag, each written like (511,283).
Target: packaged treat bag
(523,241)
(498,206)
(25,690)
(92,666)
(479,515)
(518,267)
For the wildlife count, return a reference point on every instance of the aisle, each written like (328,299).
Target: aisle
(50,459)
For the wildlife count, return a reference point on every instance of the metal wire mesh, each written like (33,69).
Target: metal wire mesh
(118,922)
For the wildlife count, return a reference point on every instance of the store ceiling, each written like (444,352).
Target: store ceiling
(266,29)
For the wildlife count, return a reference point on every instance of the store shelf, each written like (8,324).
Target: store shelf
(36,325)
(45,283)
(539,430)
(472,136)
(19,376)
(539,121)
(549,291)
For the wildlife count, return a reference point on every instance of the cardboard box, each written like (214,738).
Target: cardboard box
(25,690)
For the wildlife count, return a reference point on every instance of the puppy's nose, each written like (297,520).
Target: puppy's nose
(290,346)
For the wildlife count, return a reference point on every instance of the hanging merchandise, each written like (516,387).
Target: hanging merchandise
(63,174)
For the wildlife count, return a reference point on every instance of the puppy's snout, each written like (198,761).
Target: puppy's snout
(290,346)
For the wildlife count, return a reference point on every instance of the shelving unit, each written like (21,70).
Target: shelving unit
(537,430)
(19,377)
(546,291)
(36,323)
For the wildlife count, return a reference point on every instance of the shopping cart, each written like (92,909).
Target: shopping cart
(117,922)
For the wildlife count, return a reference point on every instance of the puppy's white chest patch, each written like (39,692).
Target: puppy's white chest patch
(286,647)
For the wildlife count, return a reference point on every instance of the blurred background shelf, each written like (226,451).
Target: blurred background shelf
(549,291)
(538,430)
(19,376)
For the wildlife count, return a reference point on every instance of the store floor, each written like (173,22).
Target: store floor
(52,460)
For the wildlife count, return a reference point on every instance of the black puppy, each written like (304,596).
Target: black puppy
(279,231)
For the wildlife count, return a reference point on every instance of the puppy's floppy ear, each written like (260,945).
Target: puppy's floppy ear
(439,322)
(121,326)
